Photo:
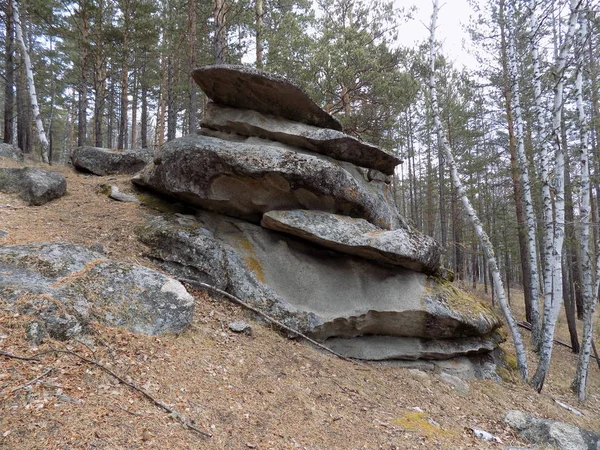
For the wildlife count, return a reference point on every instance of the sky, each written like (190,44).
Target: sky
(453,15)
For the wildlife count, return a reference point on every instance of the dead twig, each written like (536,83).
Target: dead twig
(22,358)
(32,381)
(266,316)
(173,413)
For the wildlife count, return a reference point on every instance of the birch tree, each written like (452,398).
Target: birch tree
(525,179)
(589,299)
(30,82)
(555,226)
(458,185)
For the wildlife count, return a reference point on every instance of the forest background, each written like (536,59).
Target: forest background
(523,124)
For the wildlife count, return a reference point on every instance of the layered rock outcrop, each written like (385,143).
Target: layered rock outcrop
(299,220)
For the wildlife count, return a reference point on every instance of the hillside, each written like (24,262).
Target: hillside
(249,391)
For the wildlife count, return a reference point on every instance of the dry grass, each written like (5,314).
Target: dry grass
(260,391)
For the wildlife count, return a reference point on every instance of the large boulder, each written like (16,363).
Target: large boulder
(11,151)
(104,161)
(402,247)
(332,143)
(559,435)
(249,88)
(314,290)
(34,186)
(67,286)
(250,177)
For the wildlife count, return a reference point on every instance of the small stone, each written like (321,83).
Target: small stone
(240,327)
(116,194)
(3,234)
(36,332)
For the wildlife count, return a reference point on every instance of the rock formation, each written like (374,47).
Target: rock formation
(34,186)
(104,161)
(298,219)
(67,286)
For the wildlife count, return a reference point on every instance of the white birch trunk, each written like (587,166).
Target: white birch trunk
(553,300)
(482,235)
(525,180)
(589,299)
(30,83)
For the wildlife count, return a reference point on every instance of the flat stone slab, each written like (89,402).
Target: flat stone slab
(378,348)
(249,177)
(401,247)
(332,143)
(248,88)
(68,286)
(34,186)
(104,161)
(311,289)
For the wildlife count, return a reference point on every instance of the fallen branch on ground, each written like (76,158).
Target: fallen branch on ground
(527,326)
(266,316)
(133,386)
(32,381)
(22,358)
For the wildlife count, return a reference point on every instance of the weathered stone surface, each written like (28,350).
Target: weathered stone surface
(34,186)
(247,179)
(249,88)
(402,247)
(560,435)
(312,289)
(332,143)
(104,161)
(67,286)
(116,194)
(11,151)
(379,348)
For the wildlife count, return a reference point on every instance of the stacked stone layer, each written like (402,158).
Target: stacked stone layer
(332,258)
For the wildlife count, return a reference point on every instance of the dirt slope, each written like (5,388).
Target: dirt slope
(259,391)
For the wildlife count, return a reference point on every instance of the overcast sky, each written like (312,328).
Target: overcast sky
(453,15)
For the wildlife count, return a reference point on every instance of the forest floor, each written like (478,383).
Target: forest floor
(260,391)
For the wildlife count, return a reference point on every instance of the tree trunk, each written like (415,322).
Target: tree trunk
(83,57)
(260,10)
(220,20)
(171,101)
(30,83)
(588,291)
(9,84)
(144,118)
(483,237)
(554,298)
(193,89)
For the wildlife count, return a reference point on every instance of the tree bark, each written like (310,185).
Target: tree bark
(554,249)
(260,10)
(220,33)
(83,61)
(30,83)
(483,237)
(9,84)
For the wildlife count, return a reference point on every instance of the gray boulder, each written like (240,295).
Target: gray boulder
(311,289)
(246,179)
(402,247)
(34,186)
(332,143)
(12,152)
(104,161)
(560,435)
(248,88)
(67,286)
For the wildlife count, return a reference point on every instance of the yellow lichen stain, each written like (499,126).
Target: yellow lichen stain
(418,422)
(255,267)
(252,263)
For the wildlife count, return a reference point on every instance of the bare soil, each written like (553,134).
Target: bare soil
(260,391)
